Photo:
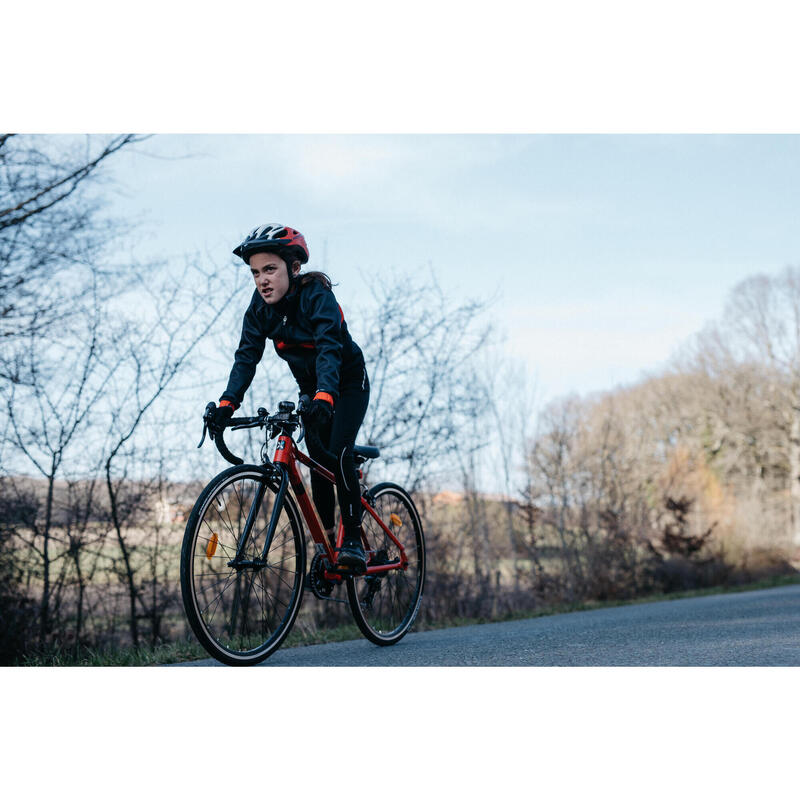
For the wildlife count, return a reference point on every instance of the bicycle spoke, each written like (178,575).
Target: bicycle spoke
(275,563)
(207,523)
(219,580)
(280,578)
(217,599)
(230,522)
(229,552)
(265,618)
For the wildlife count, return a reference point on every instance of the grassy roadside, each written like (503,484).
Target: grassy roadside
(190,650)
(171,652)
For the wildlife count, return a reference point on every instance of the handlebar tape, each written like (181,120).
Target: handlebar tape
(219,441)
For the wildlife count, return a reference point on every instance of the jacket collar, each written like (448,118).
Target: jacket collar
(289,298)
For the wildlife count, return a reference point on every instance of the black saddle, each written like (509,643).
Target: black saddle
(363,452)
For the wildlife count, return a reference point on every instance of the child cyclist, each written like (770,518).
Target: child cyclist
(299,313)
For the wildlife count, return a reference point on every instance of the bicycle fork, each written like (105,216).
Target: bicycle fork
(238,562)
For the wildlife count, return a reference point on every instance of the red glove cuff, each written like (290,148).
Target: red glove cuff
(228,403)
(324,396)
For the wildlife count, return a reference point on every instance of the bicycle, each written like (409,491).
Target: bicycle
(243,558)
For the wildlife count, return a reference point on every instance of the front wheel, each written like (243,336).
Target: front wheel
(241,609)
(385,605)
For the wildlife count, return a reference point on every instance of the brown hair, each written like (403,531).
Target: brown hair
(320,277)
(306,277)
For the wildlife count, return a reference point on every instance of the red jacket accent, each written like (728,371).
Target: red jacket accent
(287,345)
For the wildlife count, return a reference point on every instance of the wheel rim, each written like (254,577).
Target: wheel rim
(392,606)
(244,612)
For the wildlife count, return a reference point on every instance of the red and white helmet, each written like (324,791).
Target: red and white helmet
(276,238)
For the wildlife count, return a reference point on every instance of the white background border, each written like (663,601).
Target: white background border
(411,67)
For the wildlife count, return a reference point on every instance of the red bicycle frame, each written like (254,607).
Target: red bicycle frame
(288,454)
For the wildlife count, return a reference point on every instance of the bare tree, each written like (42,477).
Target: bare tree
(52,225)
(63,378)
(150,358)
(751,358)
(511,403)
(424,398)
(18,507)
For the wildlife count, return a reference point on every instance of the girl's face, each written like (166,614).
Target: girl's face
(271,276)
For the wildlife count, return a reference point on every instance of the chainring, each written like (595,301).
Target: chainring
(320,586)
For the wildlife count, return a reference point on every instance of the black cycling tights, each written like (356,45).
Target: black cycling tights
(340,436)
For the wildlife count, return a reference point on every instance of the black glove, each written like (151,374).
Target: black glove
(319,413)
(219,419)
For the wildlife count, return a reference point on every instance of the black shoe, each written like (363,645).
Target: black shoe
(352,557)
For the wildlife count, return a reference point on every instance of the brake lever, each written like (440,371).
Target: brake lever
(206,414)
(302,407)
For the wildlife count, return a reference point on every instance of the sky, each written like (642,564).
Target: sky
(600,254)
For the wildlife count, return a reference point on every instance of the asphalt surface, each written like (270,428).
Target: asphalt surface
(760,628)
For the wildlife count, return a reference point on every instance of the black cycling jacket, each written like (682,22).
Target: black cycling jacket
(308,331)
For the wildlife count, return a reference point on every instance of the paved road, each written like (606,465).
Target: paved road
(759,628)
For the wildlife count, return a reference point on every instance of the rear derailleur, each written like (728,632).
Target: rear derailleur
(373,582)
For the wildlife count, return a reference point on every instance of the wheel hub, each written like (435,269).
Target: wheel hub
(254,564)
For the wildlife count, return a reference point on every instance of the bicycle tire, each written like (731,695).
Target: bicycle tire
(387,616)
(241,617)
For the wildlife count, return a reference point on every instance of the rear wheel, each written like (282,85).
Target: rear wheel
(385,605)
(241,614)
